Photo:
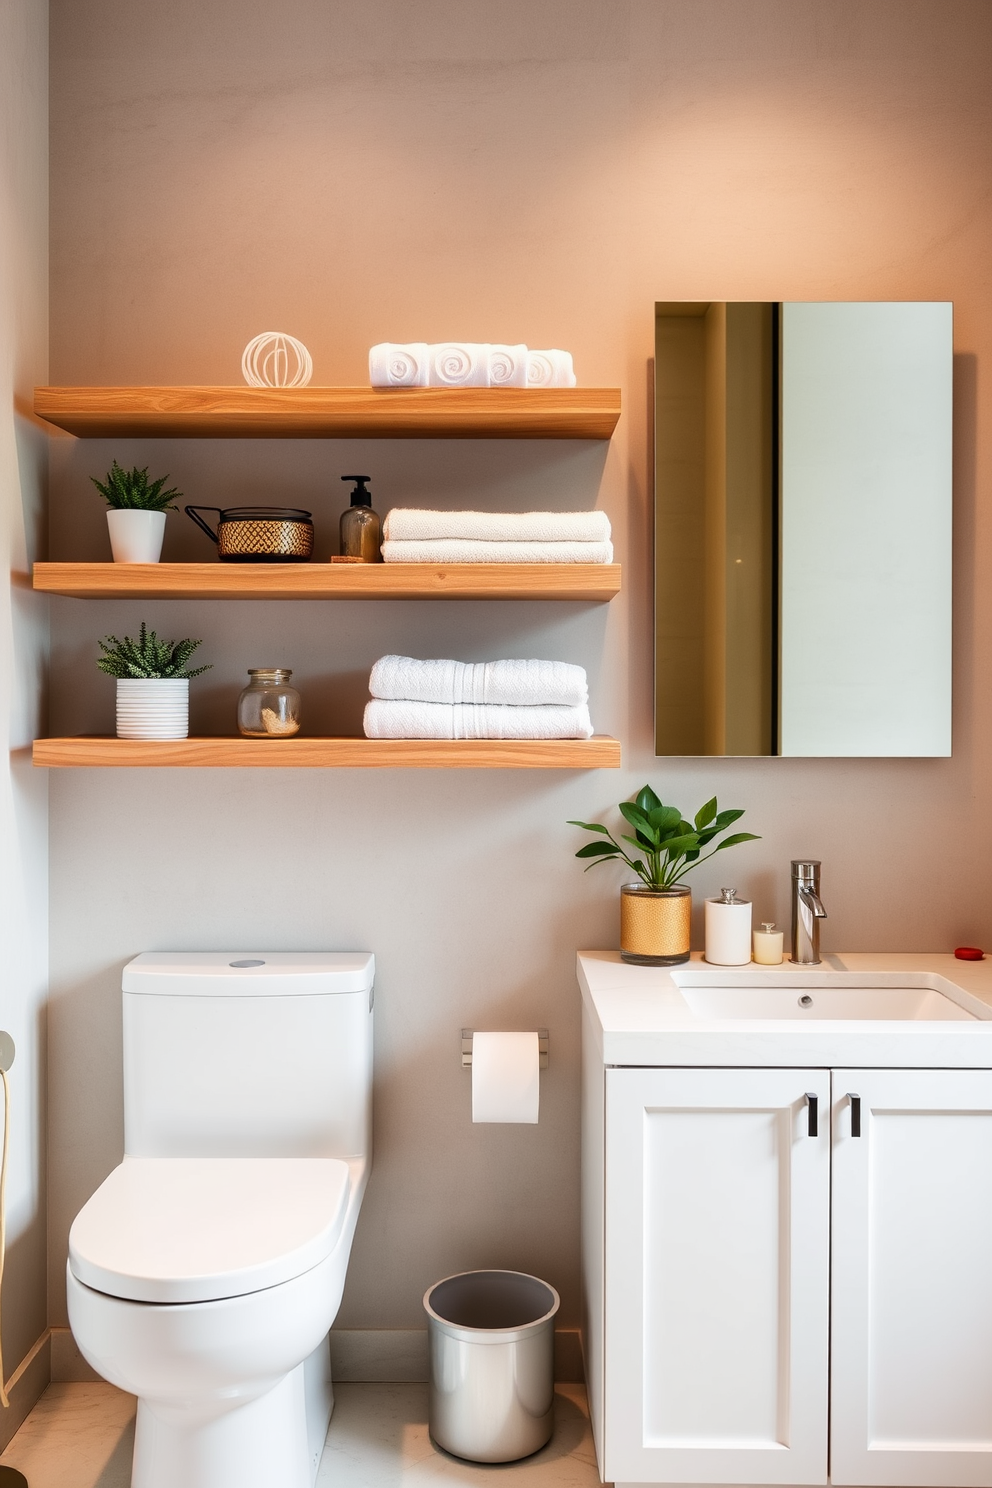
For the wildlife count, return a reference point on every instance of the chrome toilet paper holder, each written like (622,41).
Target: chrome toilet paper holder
(542,1046)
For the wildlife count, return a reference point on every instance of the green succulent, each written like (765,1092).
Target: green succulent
(670,846)
(147,656)
(132,490)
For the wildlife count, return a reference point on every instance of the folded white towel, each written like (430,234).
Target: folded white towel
(414,524)
(463,550)
(394,365)
(408,720)
(460,364)
(467,364)
(508,366)
(550,369)
(508,683)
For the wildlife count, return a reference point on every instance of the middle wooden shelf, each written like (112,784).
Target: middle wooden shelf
(597,582)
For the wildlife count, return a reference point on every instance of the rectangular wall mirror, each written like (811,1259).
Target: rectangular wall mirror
(803,528)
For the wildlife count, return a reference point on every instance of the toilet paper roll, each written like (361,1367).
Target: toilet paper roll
(505,1077)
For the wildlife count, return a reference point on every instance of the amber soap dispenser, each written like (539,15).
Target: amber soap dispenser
(361,527)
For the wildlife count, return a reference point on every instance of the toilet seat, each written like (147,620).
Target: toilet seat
(168,1230)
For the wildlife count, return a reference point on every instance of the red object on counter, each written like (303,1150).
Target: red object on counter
(969,953)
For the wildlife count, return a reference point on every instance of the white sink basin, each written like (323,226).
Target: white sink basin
(869,1010)
(813,1003)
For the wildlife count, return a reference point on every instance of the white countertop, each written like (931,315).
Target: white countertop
(639,1016)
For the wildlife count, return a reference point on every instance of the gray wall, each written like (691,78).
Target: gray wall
(372,169)
(23,644)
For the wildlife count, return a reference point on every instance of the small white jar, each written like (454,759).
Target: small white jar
(768,944)
(728,930)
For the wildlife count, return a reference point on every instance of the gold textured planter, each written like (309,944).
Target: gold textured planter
(655,924)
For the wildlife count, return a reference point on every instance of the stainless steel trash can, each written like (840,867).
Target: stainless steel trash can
(492,1378)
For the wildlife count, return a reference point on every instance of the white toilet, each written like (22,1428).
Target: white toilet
(205,1272)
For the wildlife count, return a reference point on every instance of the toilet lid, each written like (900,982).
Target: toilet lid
(180,1229)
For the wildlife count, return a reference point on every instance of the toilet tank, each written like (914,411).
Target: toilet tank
(248,1054)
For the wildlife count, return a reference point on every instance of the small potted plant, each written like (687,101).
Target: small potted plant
(152,684)
(137,513)
(656,910)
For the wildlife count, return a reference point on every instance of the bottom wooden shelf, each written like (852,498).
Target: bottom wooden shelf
(598,753)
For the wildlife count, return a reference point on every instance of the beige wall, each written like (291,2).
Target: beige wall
(374,169)
(23,644)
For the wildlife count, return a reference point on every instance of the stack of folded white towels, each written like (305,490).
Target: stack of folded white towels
(414,699)
(467,364)
(411,535)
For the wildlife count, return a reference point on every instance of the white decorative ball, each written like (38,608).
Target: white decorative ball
(274,359)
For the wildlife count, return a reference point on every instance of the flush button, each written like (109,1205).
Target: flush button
(240,964)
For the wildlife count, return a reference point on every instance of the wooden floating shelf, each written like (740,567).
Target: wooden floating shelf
(598,753)
(330,412)
(584,581)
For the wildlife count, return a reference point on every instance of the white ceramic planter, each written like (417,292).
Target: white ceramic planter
(136,536)
(152,707)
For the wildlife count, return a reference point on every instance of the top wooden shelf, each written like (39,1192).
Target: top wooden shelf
(584,581)
(326,412)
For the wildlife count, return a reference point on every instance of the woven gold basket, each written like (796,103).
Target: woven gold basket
(259,534)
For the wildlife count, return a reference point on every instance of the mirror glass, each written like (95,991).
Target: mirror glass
(803,528)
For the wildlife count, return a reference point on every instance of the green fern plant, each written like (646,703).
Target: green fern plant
(131,490)
(148,656)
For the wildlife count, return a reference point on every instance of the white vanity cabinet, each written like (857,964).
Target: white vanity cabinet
(716,1283)
(911,1268)
(741,1252)
(788,1266)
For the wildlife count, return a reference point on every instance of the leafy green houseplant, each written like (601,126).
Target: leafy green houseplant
(148,657)
(136,518)
(655,912)
(152,684)
(131,490)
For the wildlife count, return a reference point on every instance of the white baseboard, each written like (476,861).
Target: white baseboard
(358,1356)
(26,1386)
(399,1356)
(68,1365)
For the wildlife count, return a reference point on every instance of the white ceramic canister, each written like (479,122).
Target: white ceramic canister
(135,535)
(728,929)
(152,707)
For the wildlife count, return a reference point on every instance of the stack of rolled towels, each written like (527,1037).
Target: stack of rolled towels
(414,699)
(412,535)
(467,364)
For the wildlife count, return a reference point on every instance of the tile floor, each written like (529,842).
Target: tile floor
(80,1436)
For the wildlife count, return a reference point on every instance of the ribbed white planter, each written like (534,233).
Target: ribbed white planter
(136,536)
(152,707)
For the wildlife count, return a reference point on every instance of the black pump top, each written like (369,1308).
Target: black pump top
(360,496)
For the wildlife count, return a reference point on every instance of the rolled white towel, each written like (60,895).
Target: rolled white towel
(508,366)
(460,364)
(463,550)
(511,683)
(392,364)
(410,720)
(550,369)
(414,524)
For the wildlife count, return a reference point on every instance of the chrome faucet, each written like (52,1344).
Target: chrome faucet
(807,911)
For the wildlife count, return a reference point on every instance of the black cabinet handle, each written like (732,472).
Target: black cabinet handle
(855,1114)
(811,1107)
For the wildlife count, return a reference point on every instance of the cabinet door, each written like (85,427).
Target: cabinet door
(717,1236)
(911,1371)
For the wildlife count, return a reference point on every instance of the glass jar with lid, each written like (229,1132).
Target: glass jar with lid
(269,708)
